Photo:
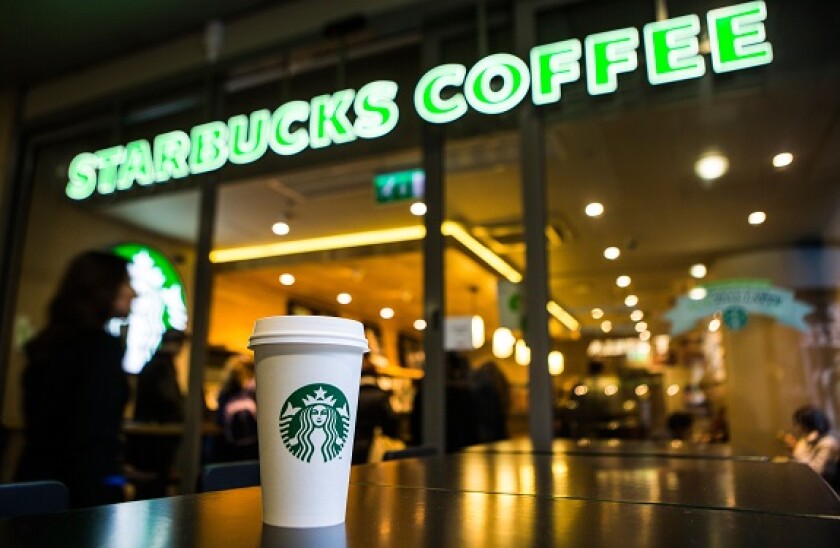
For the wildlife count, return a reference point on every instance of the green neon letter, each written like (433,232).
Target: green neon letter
(737,37)
(328,122)
(515,78)
(376,112)
(137,166)
(248,141)
(607,55)
(280,139)
(171,151)
(109,161)
(672,51)
(427,95)
(208,149)
(553,65)
(81,176)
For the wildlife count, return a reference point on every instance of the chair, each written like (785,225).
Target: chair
(230,475)
(410,452)
(32,497)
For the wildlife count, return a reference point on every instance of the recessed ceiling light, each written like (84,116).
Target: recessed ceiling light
(637,315)
(622,281)
(631,300)
(641,326)
(418,208)
(711,166)
(714,324)
(597,313)
(698,271)
(281,228)
(594,209)
(287,279)
(419,325)
(606,326)
(783,159)
(344,298)
(387,313)
(757,217)
(612,253)
(644,336)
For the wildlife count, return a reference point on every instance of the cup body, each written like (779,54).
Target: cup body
(307,375)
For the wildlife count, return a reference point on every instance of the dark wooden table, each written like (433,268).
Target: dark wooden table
(491,499)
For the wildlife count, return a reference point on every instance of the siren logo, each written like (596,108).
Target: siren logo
(315,422)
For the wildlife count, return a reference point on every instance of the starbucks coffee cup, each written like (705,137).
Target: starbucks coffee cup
(307,370)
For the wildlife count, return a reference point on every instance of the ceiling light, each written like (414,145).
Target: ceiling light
(711,166)
(477,331)
(556,362)
(644,336)
(562,316)
(631,300)
(387,313)
(522,354)
(612,253)
(503,341)
(281,228)
(673,390)
(419,325)
(418,208)
(451,228)
(344,298)
(698,271)
(606,326)
(622,281)
(641,326)
(697,293)
(714,324)
(611,390)
(637,315)
(757,217)
(641,390)
(594,209)
(597,313)
(581,390)
(783,159)
(287,279)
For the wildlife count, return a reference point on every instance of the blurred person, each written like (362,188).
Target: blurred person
(236,415)
(74,387)
(374,411)
(159,400)
(812,444)
(491,392)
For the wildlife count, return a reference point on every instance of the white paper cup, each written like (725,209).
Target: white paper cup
(308,370)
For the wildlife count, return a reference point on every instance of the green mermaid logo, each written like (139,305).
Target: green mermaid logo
(315,422)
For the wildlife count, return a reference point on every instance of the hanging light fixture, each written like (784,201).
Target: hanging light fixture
(503,341)
(522,354)
(556,362)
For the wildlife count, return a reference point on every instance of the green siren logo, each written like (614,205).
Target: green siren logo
(315,421)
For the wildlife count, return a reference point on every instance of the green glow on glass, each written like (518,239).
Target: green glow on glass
(248,138)
(607,55)
(138,165)
(328,122)
(376,110)
(109,160)
(672,50)
(281,139)
(553,65)
(515,77)
(171,151)
(208,147)
(81,176)
(737,37)
(427,94)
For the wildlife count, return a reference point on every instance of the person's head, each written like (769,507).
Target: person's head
(810,419)
(172,341)
(95,288)
(240,372)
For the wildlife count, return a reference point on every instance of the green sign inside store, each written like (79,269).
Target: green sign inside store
(495,84)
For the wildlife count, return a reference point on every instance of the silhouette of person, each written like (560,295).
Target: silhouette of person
(237,412)
(159,400)
(74,388)
(374,410)
(814,445)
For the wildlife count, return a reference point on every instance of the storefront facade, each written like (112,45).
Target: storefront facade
(519,116)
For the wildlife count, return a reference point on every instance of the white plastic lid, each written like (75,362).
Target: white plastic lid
(309,330)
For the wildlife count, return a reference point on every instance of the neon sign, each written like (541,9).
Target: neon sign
(495,84)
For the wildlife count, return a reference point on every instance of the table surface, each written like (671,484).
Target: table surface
(709,483)
(403,516)
(590,446)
